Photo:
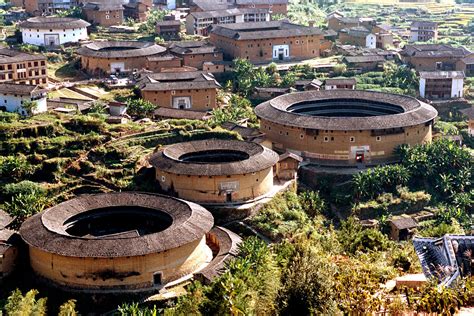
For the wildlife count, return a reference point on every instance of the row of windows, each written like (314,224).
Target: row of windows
(284,42)
(163,178)
(64,30)
(22,75)
(21,66)
(189,91)
(331,138)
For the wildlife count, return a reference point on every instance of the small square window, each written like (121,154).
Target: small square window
(378,138)
(301,136)
(352,139)
(326,139)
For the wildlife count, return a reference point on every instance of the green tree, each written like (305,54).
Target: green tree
(239,108)
(30,107)
(149,26)
(140,108)
(308,283)
(400,76)
(98,107)
(68,309)
(353,237)
(25,305)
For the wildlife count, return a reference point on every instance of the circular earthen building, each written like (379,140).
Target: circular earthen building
(117,56)
(215,170)
(123,241)
(345,126)
(53,31)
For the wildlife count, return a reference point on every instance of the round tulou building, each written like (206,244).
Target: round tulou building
(125,242)
(215,170)
(53,31)
(117,56)
(345,126)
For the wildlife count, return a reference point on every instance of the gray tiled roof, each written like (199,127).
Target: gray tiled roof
(259,158)
(263,30)
(434,51)
(10,56)
(53,23)
(226,12)
(120,49)
(445,258)
(5,219)
(20,89)
(414,111)
(442,74)
(47,230)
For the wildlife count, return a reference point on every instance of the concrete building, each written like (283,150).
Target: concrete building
(124,242)
(194,91)
(196,53)
(200,23)
(48,7)
(215,171)
(263,42)
(13,96)
(19,67)
(345,127)
(169,30)
(340,83)
(359,36)
(423,31)
(441,84)
(103,14)
(52,32)
(117,56)
(434,57)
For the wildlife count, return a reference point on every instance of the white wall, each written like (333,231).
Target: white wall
(37,36)
(422,87)
(13,103)
(284,48)
(414,35)
(171,4)
(457,87)
(371,41)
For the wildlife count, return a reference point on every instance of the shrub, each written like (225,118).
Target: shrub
(15,167)
(22,205)
(23,187)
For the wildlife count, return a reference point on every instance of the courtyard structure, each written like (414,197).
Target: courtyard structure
(117,56)
(345,126)
(51,32)
(122,242)
(215,171)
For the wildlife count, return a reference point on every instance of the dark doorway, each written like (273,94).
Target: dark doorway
(403,234)
(157,278)
(280,55)
(228,197)
(360,157)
